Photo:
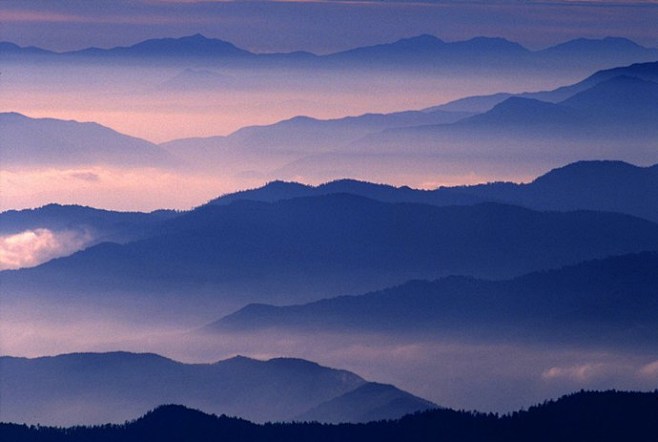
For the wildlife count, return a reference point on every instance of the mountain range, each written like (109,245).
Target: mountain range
(327,245)
(52,142)
(621,111)
(610,115)
(611,186)
(425,50)
(93,388)
(584,416)
(103,225)
(479,104)
(609,301)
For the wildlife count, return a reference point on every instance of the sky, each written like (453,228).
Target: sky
(321,26)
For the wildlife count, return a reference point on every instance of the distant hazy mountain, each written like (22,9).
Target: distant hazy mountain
(113,387)
(612,186)
(610,115)
(305,248)
(585,416)
(614,49)
(297,136)
(616,118)
(280,190)
(185,47)
(426,51)
(478,104)
(620,100)
(525,113)
(8,49)
(620,104)
(604,301)
(47,141)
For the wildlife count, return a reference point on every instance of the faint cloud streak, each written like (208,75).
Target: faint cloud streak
(579,373)
(649,370)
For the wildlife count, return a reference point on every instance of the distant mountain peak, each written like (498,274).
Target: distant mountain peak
(196,45)
(596,44)
(522,111)
(582,169)
(196,36)
(420,39)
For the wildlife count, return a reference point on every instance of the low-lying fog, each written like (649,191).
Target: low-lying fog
(458,373)
(454,372)
(164,103)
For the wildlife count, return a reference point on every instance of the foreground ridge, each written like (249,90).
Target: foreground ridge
(583,416)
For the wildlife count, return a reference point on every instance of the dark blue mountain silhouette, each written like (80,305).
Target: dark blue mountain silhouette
(620,99)
(612,186)
(102,225)
(329,244)
(280,190)
(595,185)
(191,46)
(108,387)
(609,301)
(584,416)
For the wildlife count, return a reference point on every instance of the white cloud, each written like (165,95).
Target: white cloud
(33,247)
